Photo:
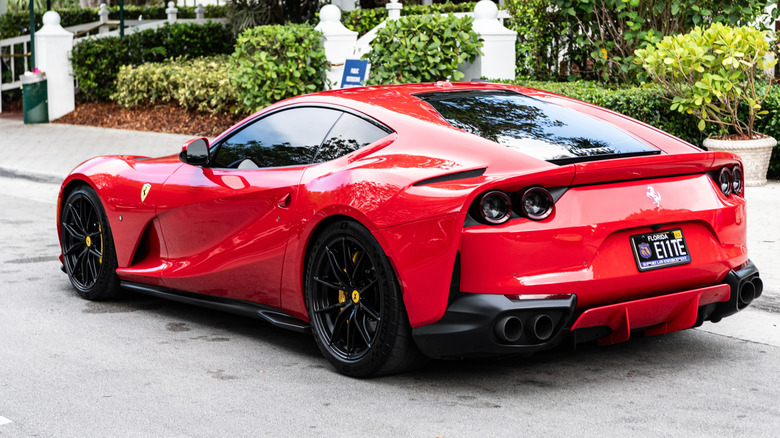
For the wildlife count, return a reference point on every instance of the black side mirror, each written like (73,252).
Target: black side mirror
(195,152)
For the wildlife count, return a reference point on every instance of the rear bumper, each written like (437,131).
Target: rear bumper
(477,325)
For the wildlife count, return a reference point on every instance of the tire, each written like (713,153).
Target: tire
(88,246)
(355,305)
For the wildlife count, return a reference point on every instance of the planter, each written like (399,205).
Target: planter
(755,155)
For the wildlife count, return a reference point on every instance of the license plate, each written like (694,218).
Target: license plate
(660,249)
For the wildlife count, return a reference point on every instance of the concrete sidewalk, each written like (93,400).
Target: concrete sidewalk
(48,152)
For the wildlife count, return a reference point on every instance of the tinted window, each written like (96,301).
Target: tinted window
(285,138)
(541,129)
(348,135)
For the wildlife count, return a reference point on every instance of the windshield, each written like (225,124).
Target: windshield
(540,129)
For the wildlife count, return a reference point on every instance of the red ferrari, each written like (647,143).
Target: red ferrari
(440,220)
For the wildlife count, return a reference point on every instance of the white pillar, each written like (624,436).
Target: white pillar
(172,12)
(498,61)
(339,42)
(200,12)
(103,15)
(52,51)
(393,10)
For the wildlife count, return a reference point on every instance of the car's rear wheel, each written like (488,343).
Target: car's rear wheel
(87,246)
(355,305)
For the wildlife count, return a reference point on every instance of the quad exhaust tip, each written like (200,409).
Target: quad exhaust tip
(540,327)
(509,328)
(749,291)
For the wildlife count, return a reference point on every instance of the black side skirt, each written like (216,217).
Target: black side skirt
(238,307)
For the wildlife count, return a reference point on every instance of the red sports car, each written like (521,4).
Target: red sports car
(440,220)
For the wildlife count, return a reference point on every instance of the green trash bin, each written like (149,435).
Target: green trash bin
(35,98)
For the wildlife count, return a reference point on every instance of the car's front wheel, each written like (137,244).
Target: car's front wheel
(355,305)
(87,246)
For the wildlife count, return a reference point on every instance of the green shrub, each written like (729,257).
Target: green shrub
(422,48)
(271,63)
(96,61)
(363,20)
(710,73)
(611,30)
(542,37)
(13,24)
(200,83)
(647,106)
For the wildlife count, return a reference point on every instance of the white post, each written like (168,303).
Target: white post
(103,14)
(344,5)
(171,11)
(498,61)
(200,12)
(393,10)
(339,42)
(52,51)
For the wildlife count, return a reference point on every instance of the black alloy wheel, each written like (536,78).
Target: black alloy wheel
(355,306)
(87,246)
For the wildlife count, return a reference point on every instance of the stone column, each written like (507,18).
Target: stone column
(52,51)
(498,61)
(339,41)
(200,12)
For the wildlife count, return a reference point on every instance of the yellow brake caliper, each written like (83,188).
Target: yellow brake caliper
(355,295)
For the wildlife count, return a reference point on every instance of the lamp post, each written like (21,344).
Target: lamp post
(32,35)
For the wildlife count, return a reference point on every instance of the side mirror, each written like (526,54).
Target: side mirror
(195,152)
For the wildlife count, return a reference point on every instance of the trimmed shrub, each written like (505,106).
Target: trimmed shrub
(363,20)
(96,61)
(13,24)
(271,63)
(200,83)
(422,48)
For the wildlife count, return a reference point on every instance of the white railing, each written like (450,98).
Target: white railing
(14,53)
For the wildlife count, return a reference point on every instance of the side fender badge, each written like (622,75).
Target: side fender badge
(145,191)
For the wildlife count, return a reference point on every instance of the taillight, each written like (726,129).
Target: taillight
(495,207)
(737,183)
(536,203)
(724,181)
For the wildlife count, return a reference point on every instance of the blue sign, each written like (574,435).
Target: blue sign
(355,73)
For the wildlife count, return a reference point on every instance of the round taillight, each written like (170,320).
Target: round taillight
(495,207)
(536,203)
(736,180)
(724,181)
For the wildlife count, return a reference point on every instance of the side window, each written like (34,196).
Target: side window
(285,138)
(349,134)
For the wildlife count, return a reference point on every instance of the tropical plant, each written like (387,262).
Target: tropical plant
(422,48)
(712,74)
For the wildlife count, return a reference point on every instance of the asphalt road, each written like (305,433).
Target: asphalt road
(146,367)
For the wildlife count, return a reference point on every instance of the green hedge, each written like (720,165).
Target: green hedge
(200,83)
(96,61)
(271,63)
(644,105)
(422,48)
(363,20)
(13,24)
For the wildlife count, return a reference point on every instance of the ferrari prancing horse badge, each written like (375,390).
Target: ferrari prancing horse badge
(145,191)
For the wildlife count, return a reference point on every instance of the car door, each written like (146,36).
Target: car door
(226,225)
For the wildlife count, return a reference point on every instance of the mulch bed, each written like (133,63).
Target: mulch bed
(168,118)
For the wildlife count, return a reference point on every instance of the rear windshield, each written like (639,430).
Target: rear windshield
(540,129)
